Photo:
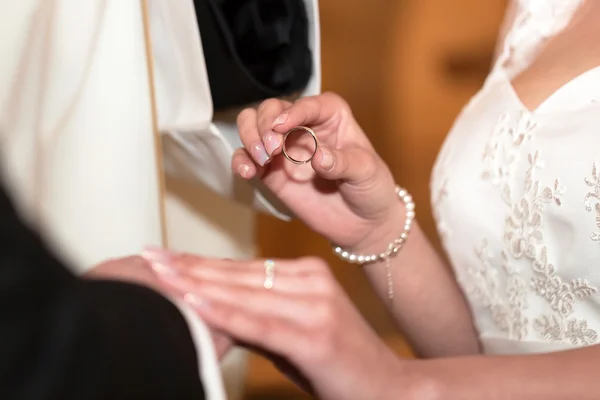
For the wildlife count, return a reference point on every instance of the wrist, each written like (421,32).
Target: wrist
(366,252)
(384,232)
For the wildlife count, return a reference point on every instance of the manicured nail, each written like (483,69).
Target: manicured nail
(326,159)
(244,170)
(272,142)
(260,154)
(159,260)
(280,120)
(194,301)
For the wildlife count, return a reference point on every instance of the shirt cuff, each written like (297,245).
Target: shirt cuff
(208,364)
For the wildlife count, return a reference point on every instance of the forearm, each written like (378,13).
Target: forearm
(563,375)
(428,304)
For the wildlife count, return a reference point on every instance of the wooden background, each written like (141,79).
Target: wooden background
(406,67)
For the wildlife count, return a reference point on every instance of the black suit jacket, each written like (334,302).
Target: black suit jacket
(64,338)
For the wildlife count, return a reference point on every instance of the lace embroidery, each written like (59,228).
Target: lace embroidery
(507,308)
(524,240)
(594,195)
(555,329)
(507,315)
(502,149)
(523,225)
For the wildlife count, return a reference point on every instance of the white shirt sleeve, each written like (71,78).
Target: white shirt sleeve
(208,364)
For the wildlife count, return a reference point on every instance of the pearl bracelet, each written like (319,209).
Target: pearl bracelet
(392,249)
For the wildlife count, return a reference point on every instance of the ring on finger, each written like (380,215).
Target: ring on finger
(269,274)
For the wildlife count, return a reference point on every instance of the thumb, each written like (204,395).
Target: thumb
(354,165)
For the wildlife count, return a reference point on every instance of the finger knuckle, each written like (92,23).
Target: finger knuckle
(339,100)
(239,154)
(307,104)
(370,166)
(320,276)
(268,105)
(245,115)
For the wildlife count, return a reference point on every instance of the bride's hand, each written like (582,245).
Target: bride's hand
(305,319)
(346,193)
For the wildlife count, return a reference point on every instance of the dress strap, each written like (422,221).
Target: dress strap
(515,30)
(534,23)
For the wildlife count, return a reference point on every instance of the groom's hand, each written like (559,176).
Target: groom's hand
(135,269)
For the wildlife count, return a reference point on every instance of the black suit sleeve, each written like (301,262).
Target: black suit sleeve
(64,338)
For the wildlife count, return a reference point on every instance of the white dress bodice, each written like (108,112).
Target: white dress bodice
(516,198)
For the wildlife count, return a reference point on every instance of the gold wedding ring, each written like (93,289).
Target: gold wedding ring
(269,274)
(296,129)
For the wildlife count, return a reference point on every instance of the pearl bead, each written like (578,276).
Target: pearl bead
(394,247)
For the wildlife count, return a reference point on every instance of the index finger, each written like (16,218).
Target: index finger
(310,111)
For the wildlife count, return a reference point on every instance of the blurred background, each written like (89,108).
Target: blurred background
(406,67)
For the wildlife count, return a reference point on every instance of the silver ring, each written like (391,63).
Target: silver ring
(269,274)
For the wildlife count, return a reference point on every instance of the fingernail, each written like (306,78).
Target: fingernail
(280,120)
(159,260)
(194,301)
(326,159)
(272,142)
(260,154)
(244,170)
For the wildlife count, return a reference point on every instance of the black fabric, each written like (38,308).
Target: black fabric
(65,338)
(254,49)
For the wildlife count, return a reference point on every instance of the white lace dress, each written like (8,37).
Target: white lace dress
(516,197)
